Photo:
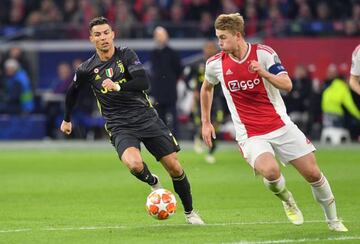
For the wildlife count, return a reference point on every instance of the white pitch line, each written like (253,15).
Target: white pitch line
(80,228)
(16,230)
(84,228)
(340,238)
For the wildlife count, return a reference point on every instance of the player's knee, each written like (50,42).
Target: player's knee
(174,168)
(176,171)
(135,167)
(135,164)
(272,173)
(313,176)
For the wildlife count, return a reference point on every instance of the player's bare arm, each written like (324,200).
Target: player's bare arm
(206,98)
(354,83)
(281,81)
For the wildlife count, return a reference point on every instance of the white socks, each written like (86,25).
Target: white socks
(323,194)
(278,188)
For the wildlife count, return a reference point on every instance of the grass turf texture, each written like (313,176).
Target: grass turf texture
(88,196)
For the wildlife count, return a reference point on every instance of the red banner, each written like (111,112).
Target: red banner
(317,53)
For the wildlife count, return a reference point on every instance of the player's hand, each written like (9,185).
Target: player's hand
(66,127)
(256,67)
(110,85)
(208,133)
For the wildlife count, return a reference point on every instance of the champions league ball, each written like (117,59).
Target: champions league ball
(161,204)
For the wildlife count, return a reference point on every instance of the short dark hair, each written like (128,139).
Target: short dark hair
(98,21)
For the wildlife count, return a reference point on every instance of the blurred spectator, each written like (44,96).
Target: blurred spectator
(166,69)
(50,13)
(15,52)
(251,18)
(195,8)
(298,100)
(85,13)
(69,10)
(176,25)
(34,19)
(141,7)
(17,13)
(315,112)
(53,99)
(63,79)
(323,11)
(355,13)
(323,24)
(151,19)
(331,74)
(206,25)
(229,6)
(76,63)
(124,20)
(335,98)
(108,9)
(275,23)
(303,17)
(351,28)
(18,96)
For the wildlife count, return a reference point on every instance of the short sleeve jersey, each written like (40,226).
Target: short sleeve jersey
(355,62)
(255,105)
(123,110)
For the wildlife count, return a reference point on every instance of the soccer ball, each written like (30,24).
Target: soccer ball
(161,204)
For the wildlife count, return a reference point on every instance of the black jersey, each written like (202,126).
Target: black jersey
(195,78)
(128,110)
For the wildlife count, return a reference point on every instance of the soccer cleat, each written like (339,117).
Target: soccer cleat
(292,211)
(197,146)
(193,218)
(337,225)
(210,159)
(156,186)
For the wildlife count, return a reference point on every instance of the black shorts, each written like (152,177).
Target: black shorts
(160,144)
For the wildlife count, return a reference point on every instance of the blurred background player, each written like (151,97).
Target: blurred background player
(195,77)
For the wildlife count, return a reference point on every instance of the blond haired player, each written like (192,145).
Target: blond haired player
(354,80)
(251,76)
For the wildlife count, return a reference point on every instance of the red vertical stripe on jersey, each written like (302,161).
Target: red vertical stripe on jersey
(250,97)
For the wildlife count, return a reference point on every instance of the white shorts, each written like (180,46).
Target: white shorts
(288,143)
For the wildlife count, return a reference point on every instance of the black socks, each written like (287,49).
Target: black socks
(182,188)
(145,175)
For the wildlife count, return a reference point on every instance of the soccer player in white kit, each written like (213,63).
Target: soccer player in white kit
(354,80)
(251,76)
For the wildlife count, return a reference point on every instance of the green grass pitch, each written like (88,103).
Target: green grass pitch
(86,195)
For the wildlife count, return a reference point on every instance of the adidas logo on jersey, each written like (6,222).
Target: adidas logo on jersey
(229,72)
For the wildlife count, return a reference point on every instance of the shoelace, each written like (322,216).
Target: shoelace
(292,208)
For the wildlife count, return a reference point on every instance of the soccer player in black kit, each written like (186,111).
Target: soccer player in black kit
(118,80)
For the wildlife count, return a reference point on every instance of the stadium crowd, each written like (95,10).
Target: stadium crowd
(22,94)
(54,19)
